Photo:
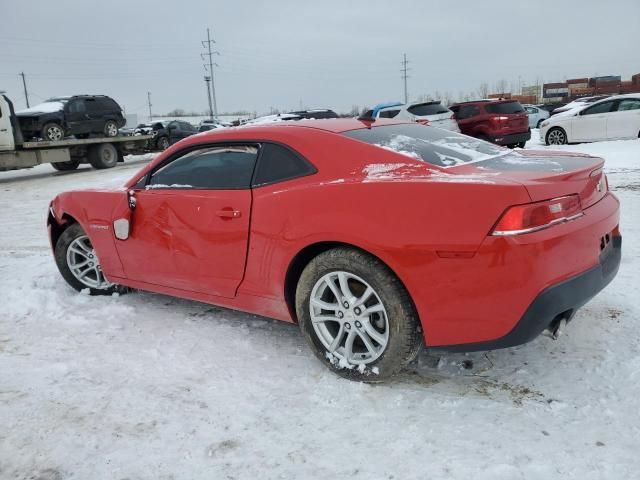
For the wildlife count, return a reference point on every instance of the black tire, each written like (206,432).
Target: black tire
(52,132)
(522,144)
(66,166)
(62,245)
(110,129)
(163,143)
(405,337)
(561,135)
(103,155)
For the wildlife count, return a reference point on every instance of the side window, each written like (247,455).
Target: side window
(213,168)
(388,113)
(92,105)
(629,104)
(603,107)
(531,110)
(77,106)
(278,163)
(187,127)
(467,111)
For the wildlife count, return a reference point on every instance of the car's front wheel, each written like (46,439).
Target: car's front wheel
(110,129)
(356,315)
(52,132)
(78,263)
(556,136)
(163,143)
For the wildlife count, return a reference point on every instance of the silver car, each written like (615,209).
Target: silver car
(536,115)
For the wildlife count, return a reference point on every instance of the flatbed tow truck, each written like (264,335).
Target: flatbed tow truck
(100,152)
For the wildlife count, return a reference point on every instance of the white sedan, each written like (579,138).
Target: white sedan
(614,118)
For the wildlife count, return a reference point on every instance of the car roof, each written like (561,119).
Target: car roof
(334,125)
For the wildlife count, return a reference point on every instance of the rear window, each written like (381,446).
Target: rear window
(506,107)
(431,108)
(388,113)
(431,145)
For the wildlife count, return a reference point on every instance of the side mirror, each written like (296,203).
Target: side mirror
(131,199)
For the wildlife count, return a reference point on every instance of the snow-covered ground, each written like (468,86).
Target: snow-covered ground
(145,386)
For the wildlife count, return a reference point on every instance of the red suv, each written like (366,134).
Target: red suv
(504,122)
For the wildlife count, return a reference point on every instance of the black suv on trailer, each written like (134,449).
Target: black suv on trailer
(79,115)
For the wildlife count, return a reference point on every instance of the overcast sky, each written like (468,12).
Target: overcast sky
(327,53)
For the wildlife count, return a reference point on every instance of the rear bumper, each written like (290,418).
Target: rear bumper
(478,300)
(512,139)
(559,301)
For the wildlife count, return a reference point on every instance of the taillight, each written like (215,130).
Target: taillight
(422,121)
(532,217)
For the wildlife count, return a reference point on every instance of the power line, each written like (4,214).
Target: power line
(24,84)
(207,44)
(404,71)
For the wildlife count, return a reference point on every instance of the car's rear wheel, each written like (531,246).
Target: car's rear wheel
(522,144)
(78,263)
(52,132)
(356,315)
(103,155)
(163,143)
(66,166)
(556,136)
(110,129)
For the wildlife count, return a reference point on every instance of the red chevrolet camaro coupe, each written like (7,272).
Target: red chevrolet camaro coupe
(375,237)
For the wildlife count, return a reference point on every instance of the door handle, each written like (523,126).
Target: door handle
(228,213)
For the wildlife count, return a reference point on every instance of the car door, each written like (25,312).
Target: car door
(174,131)
(190,226)
(95,114)
(76,116)
(590,124)
(624,120)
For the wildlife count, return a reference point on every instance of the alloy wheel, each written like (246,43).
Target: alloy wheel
(557,137)
(111,129)
(349,318)
(84,264)
(54,133)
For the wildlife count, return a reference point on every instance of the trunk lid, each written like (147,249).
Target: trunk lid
(548,175)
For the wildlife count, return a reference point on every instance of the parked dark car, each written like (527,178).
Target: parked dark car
(78,115)
(317,113)
(503,122)
(165,132)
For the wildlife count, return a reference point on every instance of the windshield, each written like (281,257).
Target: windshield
(428,144)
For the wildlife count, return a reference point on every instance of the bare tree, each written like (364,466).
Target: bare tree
(483,90)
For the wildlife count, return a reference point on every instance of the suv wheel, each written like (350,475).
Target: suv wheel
(110,128)
(52,132)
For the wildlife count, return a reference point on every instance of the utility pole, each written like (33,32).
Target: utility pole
(404,71)
(24,84)
(210,53)
(149,102)
(207,79)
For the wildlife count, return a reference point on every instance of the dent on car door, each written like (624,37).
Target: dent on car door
(190,226)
